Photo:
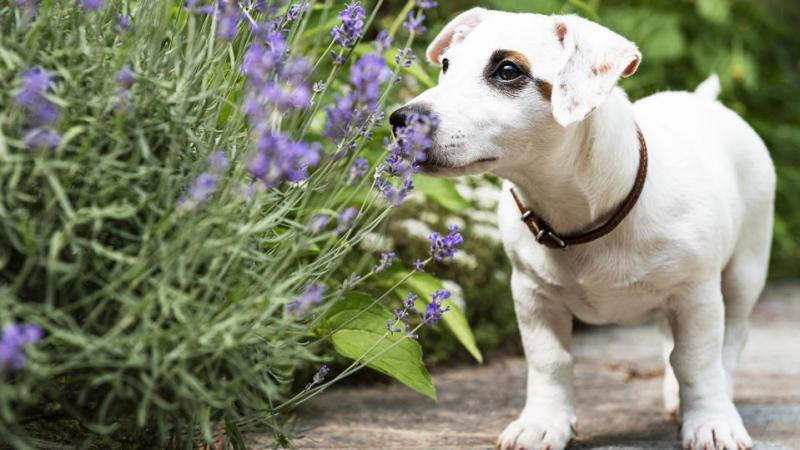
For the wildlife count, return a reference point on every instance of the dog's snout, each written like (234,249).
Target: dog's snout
(399,117)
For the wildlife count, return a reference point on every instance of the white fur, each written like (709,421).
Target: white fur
(694,250)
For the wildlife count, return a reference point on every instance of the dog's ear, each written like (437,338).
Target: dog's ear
(594,59)
(454,32)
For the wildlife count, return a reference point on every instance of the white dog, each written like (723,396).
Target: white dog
(533,99)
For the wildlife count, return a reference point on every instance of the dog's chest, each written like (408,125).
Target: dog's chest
(598,290)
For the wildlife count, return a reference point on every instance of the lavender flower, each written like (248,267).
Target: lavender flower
(28,6)
(123,23)
(205,184)
(445,246)
(31,97)
(395,196)
(385,262)
(367,76)
(345,220)
(319,377)
(42,138)
(91,5)
(433,312)
(124,77)
(311,297)
(218,162)
(405,57)
(279,159)
(317,223)
(419,265)
(427,4)
(13,341)
(352,26)
(414,24)
(358,169)
(383,41)
(410,301)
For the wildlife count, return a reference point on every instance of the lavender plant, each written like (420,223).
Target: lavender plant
(182,187)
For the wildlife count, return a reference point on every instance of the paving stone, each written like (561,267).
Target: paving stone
(618,377)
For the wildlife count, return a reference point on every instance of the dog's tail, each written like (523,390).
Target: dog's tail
(709,88)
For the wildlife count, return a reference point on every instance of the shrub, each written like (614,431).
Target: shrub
(182,186)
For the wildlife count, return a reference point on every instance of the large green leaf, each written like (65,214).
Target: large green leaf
(361,334)
(442,191)
(423,285)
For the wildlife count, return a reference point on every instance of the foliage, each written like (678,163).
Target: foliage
(182,188)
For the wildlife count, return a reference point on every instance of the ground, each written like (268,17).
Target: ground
(618,390)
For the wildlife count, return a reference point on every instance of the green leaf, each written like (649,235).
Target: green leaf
(442,191)
(400,360)
(360,325)
(423,285)
(715,11)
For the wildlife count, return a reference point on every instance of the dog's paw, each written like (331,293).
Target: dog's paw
(715,430)
(539,432)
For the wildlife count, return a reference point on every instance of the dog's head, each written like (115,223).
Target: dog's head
(511,83)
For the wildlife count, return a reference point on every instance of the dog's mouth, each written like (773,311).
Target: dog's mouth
(432,165)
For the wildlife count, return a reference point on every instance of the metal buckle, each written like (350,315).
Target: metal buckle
(550,240)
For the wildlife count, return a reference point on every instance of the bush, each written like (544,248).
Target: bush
(182,187)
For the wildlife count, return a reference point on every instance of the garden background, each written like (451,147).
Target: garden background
(183,231)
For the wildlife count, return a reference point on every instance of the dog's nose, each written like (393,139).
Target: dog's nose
(399,118)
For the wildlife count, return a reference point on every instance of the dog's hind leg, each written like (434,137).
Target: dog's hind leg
(743,280)
(670,387)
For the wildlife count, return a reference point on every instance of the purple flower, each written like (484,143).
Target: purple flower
(319,377)
(410,301)
(405,57)
(345,220)
(205,184)
(385,262)
(124,77)
(367,76)
(311,297)
(358,169)
(383,41)
(352,26)
(91,5)
(123,23)
(433,312)
(445,246)
(226,13)
(42,138)
(13,341)
(427,4)
(279,159)
(218,162)
(419,265)
(31,97)
(395,196)
(317,223)
(414,24)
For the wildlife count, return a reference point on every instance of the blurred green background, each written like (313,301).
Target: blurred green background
(753,46)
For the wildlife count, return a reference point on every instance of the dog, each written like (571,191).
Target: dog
(534,99)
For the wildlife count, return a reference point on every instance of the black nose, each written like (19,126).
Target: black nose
(399,118)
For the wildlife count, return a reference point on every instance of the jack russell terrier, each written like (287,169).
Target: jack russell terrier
(659,208)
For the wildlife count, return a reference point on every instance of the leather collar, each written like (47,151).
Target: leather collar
(545,235)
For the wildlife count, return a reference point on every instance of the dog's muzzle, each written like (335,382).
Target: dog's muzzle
(400,116)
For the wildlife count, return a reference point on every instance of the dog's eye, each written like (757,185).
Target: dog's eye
(508,71)
(445,65)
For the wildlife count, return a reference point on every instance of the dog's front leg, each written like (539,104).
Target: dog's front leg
(548,419)
(709,418)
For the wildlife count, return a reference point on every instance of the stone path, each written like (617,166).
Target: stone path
(618,391)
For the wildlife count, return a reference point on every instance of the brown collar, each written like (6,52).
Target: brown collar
(547,237)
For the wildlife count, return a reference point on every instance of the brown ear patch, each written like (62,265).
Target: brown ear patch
(561,32)
(545,88)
